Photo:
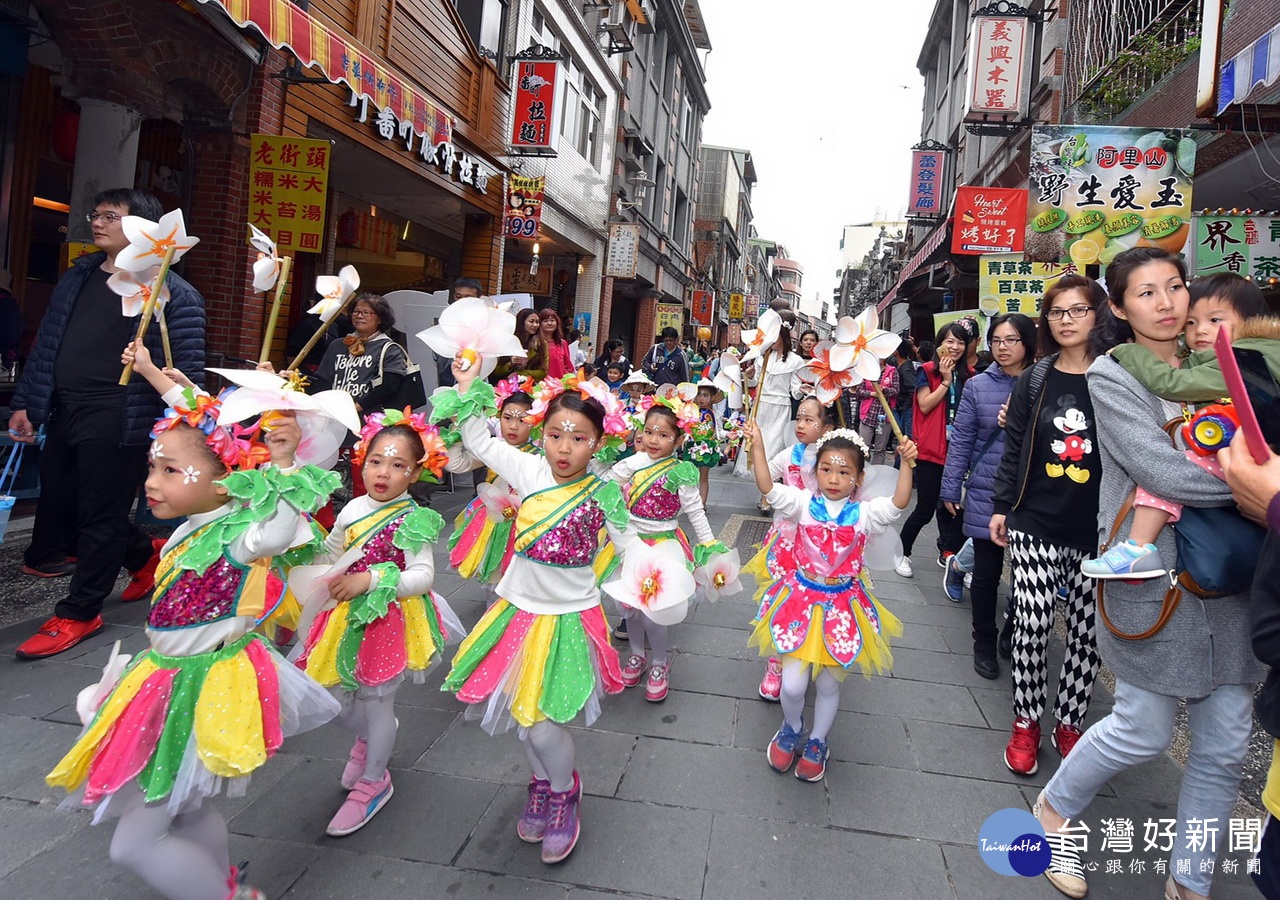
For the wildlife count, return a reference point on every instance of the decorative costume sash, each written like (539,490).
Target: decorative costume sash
(226,589)
(560,526)
(378,547)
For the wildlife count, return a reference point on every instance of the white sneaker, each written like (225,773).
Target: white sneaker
(903,567)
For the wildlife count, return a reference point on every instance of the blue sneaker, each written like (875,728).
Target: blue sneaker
(785,747)
(1128,561)
(813,762)
(953,582)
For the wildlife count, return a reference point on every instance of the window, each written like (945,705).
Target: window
(580,113)
(486,22)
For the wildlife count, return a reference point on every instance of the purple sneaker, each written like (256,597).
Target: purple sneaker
(563,822)
(533,821)
(355,764)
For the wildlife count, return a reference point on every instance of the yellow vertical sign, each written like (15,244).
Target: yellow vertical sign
(668,314)
(288,186)
(737,306)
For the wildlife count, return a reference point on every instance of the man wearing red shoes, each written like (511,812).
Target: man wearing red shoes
(96,432)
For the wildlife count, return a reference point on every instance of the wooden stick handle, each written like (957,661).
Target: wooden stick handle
(755,406)
(324,326)
(891,418)
(282,282)
(164,336)
(149,308)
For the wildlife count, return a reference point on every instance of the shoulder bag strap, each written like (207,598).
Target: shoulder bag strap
(1168,606)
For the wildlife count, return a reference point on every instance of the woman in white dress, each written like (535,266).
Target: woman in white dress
(781,379)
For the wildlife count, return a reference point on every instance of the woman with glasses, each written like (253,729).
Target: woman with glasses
(1046,513)
(973,455)
(367,364)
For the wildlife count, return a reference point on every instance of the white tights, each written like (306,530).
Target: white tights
(183,857)
(549,748)
(374,720)
(640,628)
(795,683)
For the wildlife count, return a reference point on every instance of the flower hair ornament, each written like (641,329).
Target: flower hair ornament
(511,385)
(677,399)
(238,447)
(616,426)
(849,435)
(434,458)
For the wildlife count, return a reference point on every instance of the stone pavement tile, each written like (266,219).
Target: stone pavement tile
(29,748)
(60,871)
(717,675)
(888,801)
(958,639)
(731,612)
(923,637)
(27,830)
(900,590)
(722,779)
(936,668)
(970,877)
(39,687)
(271,866)
(922,612)
(713,641)
(428,694)
(683,716)
(419,729)
(339,875)
(132,614)
(909,699)
(626,846)
(973,753)
(466,751)
(299,806)
(855,737)
(765,858)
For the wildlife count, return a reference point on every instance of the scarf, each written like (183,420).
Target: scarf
(355,344)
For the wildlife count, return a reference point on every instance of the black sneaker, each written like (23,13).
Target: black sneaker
(50,570)
(620,630)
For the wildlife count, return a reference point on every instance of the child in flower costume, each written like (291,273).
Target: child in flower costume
(210,701)
(541,654)
(385,624)
(706,435)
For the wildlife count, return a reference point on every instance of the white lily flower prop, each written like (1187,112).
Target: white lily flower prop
(149,241)
(729,378)
(763,336)
(334,291)
(719,577)
(656,581)
(860,345)
(266,268)
(475,333)
(499,504)
(91,698)
(134,288)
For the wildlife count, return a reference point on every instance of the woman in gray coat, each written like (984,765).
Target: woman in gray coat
(1203,653)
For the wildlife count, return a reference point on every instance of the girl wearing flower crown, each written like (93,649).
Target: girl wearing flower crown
(210,701)
(385,623)
(705,437)
(821,615)
(541,654)
(658,487)
(484,534)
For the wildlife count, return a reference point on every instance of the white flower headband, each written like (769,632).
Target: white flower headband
(849,435)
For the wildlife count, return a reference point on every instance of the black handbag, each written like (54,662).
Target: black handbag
(1218,550)
(412,392)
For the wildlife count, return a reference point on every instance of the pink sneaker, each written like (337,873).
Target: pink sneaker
(633,670)
(564,822)
(771,684)
(533,821)
(361,805)
(655,689)
(355,764)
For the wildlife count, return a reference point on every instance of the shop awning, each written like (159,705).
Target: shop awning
(1258,63)
(342,60)
(922,255)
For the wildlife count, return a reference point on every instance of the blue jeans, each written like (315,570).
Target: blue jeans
(1139,729)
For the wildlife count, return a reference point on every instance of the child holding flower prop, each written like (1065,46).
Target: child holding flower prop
(760,343)
(474,332)
(384,623)
(335,293)
(153,248)
(269,271)
(860,348)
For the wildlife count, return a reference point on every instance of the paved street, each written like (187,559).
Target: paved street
(681,803)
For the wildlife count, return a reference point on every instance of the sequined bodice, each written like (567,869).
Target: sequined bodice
(573,541)
(656,503)
(198,599)
(380,549)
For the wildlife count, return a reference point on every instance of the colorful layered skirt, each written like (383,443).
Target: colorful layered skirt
(479,547)
(832,627)
(184,728)
(518,668)
(773,561)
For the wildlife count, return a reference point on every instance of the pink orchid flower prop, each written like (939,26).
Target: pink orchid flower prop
(474,332)
(134,288)
(827,382)
(719,577)
(266,268)
(615,419)
(499,504)
(860,345)
(149,241)
(656,580)
(763,336)
(334,291)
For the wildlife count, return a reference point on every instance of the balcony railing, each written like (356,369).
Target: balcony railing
(1119,49)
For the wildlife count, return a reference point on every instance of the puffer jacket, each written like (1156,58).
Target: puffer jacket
(977,443)
(184,314)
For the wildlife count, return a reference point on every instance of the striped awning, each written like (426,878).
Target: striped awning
(1257,64)
(931,244)
(342,60)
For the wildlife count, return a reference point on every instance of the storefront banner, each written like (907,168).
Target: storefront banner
(989,220)
(1007,283)
(757,304)
(1241,245)
(669,314)
(1097,190)
(703,303)
(997,67)
(928,171)
(623,253)
(738,306)
(536,130)
(288,186)
(734,336)
(343,61)
(516,279)
(524,206)
(582,322)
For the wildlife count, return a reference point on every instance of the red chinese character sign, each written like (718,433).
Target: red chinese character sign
(703,301)
(1097,190)
(989,220)
(288,187)
(535,130)
(998,86)
(928,171)
(524,206)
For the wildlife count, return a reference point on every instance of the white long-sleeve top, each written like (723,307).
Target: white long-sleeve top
(781,378)
(690,499)
(527,585)
(419,572)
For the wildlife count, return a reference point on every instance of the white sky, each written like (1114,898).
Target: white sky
(815,90)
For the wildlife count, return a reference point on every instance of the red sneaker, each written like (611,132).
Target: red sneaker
(1022,753)
(1064,738)
(50,570)
(56,635)
(143,580)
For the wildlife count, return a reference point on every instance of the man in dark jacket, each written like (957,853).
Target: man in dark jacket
(665,362)
(96,432)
